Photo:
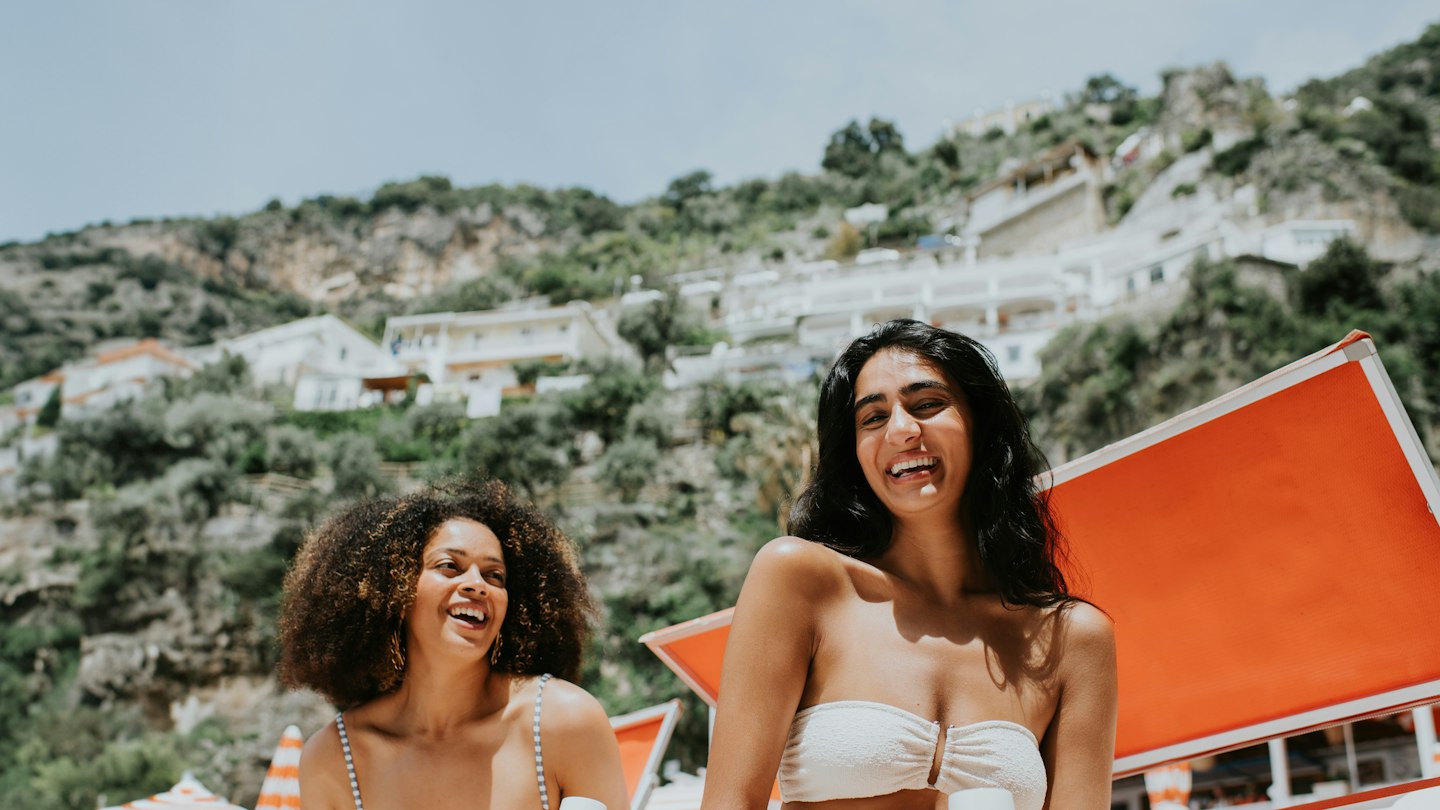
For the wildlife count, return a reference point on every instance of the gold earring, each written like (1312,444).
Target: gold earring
(495,652)
(397,653)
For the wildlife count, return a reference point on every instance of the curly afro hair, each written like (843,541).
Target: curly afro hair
(354,579)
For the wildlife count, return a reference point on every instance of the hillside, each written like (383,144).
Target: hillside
(140,566)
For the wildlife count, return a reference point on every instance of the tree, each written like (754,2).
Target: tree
(50,411)
(356,466)
(855,151)
(628,465)
(527,446)
(1104,88)
(604,404)
(1341,279)
(655,327)
(687,187)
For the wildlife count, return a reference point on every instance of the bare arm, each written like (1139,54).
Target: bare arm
(324,782)
(577,738)
(767,660)
(1079,746)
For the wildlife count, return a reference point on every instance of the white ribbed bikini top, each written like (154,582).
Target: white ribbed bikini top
(849,749)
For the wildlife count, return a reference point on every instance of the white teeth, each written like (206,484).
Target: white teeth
(902,466)
(475,613)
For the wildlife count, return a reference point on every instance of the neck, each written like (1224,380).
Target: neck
(937,554)
(440,694)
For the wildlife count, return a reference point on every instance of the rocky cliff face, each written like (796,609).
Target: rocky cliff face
(328,259)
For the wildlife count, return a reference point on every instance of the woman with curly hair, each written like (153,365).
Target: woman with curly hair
(441,623)
(920,640)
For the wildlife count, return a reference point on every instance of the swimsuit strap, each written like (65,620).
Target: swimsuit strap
(350,760)
(539,759)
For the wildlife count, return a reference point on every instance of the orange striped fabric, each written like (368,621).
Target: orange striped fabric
(281,788)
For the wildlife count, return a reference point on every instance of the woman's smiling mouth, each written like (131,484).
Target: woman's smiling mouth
(912,466)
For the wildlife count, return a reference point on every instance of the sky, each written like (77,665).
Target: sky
(150,108)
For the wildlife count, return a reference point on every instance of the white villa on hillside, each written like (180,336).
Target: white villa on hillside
(473,354)
(796,321)
(325,360)
(118,372)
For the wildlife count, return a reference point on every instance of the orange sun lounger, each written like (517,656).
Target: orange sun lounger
(643,736)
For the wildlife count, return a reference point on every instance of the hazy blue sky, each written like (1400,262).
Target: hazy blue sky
(116,110)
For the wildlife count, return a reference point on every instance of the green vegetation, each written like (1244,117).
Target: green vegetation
(660,324)
(49,412)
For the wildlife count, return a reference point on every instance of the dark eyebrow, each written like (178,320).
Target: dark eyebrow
(918,385)
(460,552)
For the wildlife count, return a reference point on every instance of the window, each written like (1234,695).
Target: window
(1157,274)
(342,352)
(1012,354)
(1130,284)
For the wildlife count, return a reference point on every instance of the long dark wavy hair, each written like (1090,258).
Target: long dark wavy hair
(1019,544)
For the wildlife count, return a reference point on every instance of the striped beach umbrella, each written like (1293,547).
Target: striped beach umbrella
(281,788)
(188,793)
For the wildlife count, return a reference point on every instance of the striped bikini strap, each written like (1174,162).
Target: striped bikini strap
(539,758)
(349,759)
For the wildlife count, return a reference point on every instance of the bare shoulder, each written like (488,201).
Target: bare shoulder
(568,709)
(323,779)
(808,569)
(1085,624)
(1087,636)
(322,744)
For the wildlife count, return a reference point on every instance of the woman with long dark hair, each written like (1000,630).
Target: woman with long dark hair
(916,637)
(441,624)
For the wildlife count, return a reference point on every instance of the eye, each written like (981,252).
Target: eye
(447,565)
(497,577)
(929,405)
(872,418)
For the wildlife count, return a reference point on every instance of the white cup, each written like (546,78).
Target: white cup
(982,799)
(580,803)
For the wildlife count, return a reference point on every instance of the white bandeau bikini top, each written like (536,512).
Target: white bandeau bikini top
(850,749)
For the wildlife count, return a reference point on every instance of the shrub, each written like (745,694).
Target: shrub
(846,243)
(628,465)
(49,414)
(292,451)
(220,426)
(604,403)
(151,271)
(356,466)
(528,446)
(1236,159)
(1343,278)
(1195,141)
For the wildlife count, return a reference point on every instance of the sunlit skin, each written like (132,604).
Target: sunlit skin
(920,627)
(455,734)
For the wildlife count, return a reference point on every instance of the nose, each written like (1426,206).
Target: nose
(901,427)
(472,582)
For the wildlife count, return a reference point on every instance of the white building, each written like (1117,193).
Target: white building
(473,354)
(115,374)
(1013,304)
(325,360)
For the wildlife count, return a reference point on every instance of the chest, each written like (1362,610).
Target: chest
(484,770)
(946,666)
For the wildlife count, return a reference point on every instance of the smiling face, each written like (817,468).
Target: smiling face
(912,434)
(460,599)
